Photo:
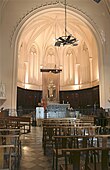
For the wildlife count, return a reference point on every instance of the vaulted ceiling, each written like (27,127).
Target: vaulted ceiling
(36,48)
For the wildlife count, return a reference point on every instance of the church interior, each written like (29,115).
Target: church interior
(54,85)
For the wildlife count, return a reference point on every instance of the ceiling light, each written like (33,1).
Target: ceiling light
(97,1)
(54,70)
(66,39)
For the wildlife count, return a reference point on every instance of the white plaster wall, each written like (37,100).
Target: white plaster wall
(13,10)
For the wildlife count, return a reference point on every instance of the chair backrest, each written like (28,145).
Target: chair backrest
(75,141)
(86,158)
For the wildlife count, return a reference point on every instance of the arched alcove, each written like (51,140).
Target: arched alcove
(80,63)
(40,29)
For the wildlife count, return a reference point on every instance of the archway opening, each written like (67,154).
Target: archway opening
(36,48)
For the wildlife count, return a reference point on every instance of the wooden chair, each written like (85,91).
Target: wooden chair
(50,131)
(20,122)
(86,159)
(60,143)
(8,131)
(6,164)
(12,139)
(75,141)
(47,138)
(8,138)
(64,142)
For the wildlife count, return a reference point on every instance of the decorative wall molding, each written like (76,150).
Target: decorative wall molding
(3,4)
(107,3)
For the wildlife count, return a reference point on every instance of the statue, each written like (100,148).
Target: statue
(2,90)
(51,90)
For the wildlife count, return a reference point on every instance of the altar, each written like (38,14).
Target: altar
(56,110)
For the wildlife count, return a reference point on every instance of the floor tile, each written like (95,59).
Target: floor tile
(32,152)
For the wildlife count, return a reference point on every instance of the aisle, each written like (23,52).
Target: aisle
(32,152)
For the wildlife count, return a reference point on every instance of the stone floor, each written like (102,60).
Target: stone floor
(32,152)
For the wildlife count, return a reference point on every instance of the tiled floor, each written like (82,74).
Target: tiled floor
(32,152)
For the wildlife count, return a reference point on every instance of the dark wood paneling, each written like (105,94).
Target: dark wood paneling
(28,99)
(81,98)
(86,98)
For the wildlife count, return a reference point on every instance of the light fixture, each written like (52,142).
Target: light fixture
(97,1)
(51,70)
(66,39)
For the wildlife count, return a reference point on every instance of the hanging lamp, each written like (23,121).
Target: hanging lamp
(66,39)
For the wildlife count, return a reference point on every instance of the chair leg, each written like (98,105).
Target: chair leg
(53,163)
(56,163)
